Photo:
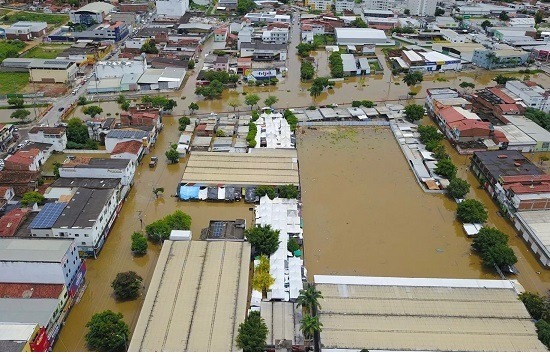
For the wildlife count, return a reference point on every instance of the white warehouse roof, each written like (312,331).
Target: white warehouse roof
(97,7)
(360,33)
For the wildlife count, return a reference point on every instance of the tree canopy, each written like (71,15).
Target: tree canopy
(20,114)
(16,102)
(471,211)
(413,78)
(252,334)
(288,191)
(309,325)
(539,117)
(172,155)
(107,332)
(414,112)
(458,188)
(538,306)
(446,168)
(193,106)
(213,90)
(266,190)
(92,111)
(245,6)
(262,279)
(160,229)
(149,47)
(166,104)
(139,243)
(32,197)
(251,100)
(271,100)
(309,298)
(336,65)
(127,285)
(264,239)
(486,24)
(501,79)
(307,70)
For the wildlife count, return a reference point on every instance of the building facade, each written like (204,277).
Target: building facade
(422,7)
(172,8)
(49,135)
(52,71)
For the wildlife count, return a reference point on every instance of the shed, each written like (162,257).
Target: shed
(180,235)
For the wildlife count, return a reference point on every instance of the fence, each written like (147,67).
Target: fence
(348,123)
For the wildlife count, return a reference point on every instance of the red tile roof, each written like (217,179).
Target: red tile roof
(17,177)
(523,189)
(526,179)
(24,158)
(504,97)
(131,146)
(449,114)
(509,107)
(221,30)
(471,128)
(30,291)
(3,191)
(10,223)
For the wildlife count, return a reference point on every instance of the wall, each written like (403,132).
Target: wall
(57,76)
(172,8)
(125,175)
(59,143)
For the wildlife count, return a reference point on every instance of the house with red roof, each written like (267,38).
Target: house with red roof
(25,160)
(10,223)
(142,115)
(131,149)
(527,192)
(21,181)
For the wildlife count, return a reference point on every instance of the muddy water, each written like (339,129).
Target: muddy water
(116,256)
(362,204)
(364,213)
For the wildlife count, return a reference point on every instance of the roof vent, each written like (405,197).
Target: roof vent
(502,156)
(27,293)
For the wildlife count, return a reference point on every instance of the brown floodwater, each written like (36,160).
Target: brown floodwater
(362,204)
(116,256)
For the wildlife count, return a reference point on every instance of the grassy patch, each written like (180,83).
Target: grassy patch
(35,16)
(13,82)
(46,51)
(10,49)
(374,66)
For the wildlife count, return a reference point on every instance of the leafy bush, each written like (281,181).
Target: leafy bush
(292,245)
(266,190)
(139,243)
(127,285)
(446,168)
(264,239)
(288,191)
(458,188)
(471,211)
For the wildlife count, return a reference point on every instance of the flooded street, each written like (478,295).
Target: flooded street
(116,256)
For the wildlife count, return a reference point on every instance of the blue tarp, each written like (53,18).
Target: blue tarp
(189,192)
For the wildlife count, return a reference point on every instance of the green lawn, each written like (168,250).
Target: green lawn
(35,16)
(374,66)
(11,49)
(13,82)
(46,51)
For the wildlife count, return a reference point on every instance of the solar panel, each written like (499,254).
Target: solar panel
(217,229)
(47,216)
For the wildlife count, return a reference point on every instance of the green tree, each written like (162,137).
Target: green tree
(307,70)
(500,256)
(486,24)
(251,100)
(336,65)
(20,114)
(183,122)
(309,299)
(139,243)
(262,280)
(92,111)
(252,334)
(158,231)
(56,166)
(413,78)
(82,101)
(305,48)
(107,332)
(503,16)
(309,325)
(537,305)
(315,91)
(414,112)
(17,102)
(178,220)
(127,285)
(32,197)
(359,23)
(543,331)
(234,102)
(289,191)
(439,11)
(266,190)
(446,168)
(292,245)
(429,133)
(471,211)
(270,100)
(149,47)
(501,79)
(291,119)
(77,131)
(467,85)
(407,12)
(191,64)
(458,188)
(125,105)
(157,191)
(172,155)
(264,239)
(193,106)
(488,237)
(245,6)
(539,17)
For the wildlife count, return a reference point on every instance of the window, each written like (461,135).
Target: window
(34,235)
(86,235)
(545,145)
(83,243)
(76,235)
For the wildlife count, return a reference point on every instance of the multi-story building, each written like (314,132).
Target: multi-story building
(49,135)
(376,4)
(422,7)
(94,12)
(532,95)
(220,34)
(142,115)
(172,8)
(116,32)
(499,58)
(113,69)
(344,5)
(276,35)
(25,160)
(82,167)
(323,5)
(267,17)
(6,136)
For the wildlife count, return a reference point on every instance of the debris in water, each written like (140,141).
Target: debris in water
(439,250)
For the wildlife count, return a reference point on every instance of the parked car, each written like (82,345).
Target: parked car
(153,162)
(61,109)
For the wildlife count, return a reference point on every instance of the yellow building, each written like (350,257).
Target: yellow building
(52,71)
(17,337)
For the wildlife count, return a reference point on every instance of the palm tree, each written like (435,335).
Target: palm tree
(315,91)
(309,298)
(309,325)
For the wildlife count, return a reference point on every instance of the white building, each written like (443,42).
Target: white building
(344,5)
(172,8)
(453,37)
(360,36)
(533,226)
(528,22)
(376,4)
(276,35)
(49,135)
(115,69)
(273,132)
(131,150)
(319,4)
(532,96)
(422,7)
(99,168)
(135,43)
(267,17)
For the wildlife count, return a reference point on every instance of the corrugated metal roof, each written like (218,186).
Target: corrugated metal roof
(424,314)
(34,250)
(197,298)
